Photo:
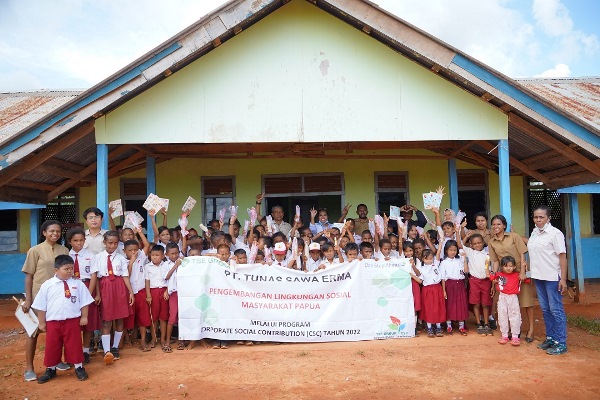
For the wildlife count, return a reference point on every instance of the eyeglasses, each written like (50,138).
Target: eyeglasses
(90,217)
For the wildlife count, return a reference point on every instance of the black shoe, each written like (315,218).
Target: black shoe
(115,352)
(49,374)
(86,358)
(546,344)
(81,374)
(493,324)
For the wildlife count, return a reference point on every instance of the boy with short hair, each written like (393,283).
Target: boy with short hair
(62,305)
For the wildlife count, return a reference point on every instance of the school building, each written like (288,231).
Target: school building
(316,103)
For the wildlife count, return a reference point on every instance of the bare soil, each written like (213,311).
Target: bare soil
(452,367)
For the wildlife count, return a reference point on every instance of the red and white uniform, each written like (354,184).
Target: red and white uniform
(159,307)
(113,291)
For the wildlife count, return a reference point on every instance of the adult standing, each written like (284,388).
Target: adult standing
(503,243)
(277,215)
(361,224)
(548,259)
(94,235)
(38,268)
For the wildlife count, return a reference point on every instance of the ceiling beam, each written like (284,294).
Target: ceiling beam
(516,163)
(33,162)
(573,179)
(573,169)
(353,156)
(85,172)
(56,171)
(125,163)
(22,195)
(554,143)
(32,185)
(65,164)
(480,159)
(461,149)
(539,160)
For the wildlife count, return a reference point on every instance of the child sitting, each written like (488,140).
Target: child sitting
(62,305)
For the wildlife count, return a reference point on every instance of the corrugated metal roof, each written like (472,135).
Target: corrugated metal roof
(578,96)
(18,110)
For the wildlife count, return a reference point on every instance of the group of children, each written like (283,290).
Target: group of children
(132,283)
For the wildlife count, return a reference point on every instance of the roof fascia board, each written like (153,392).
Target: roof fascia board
(531,103)
(582,189)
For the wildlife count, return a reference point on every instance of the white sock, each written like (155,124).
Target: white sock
(86,350)
(53,368)
(117,339)
(438,325)
(106,343)
(491,318)
(428,325)
(449,323)
(79,365)
(461,324)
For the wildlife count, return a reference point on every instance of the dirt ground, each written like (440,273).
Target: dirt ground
(452,367)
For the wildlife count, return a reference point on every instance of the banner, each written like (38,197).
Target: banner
(363,300)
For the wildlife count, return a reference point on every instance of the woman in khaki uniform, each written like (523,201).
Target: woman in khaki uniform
(38,268)
(502,244)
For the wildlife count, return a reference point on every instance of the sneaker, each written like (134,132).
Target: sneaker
(462,331)
(108,358)
(30,376)
(557,349)
(488,331)
(81,374)
(481,330)
(86,358)
(493,324)
(546,344)
(515,341)
(49,374)
(503,340)
(61,366)
(430,333)
(449,330)
(115,352)
(438,332)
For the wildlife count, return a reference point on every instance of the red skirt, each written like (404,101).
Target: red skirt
(433,305)
(457,307)
(94,322)
(416,289)
(115,299)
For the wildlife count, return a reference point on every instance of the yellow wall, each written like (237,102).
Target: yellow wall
(301,75)
(24,230)
(423,176)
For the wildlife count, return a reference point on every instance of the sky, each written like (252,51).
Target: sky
(74,44)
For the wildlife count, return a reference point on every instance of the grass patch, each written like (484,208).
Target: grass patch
(303,354)
(360,353)
(592,326)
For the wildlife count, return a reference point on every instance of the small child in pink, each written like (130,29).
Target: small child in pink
(509,287)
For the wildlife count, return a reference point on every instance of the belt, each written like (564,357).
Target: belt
(85,280)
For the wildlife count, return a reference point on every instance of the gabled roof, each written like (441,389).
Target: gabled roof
(548,142)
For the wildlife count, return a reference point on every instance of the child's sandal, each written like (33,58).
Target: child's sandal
(181,346)
(167,349)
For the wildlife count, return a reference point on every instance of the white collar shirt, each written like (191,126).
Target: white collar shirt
(165,268)
(312,265)
(544,247)
(119,264)
(137,279)
(94,243)
(51,299)
(476,261)
(84,260)
(453,268)
(430,274)
(153,274)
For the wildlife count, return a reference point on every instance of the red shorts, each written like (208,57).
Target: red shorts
(173,310)
(479,291)
(142,309)
(61,334)
(159,307)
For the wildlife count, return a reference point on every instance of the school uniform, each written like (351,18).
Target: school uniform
(171,290)
(416,287)
(380,257)
(113,292)
(328,264)
(312,265)
(141,309)
(40,263)
(453,272)
(159,309)
(83,270)
(433,305)
(479,284)
(62,301)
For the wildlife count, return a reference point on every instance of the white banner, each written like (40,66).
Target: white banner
(363,300)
